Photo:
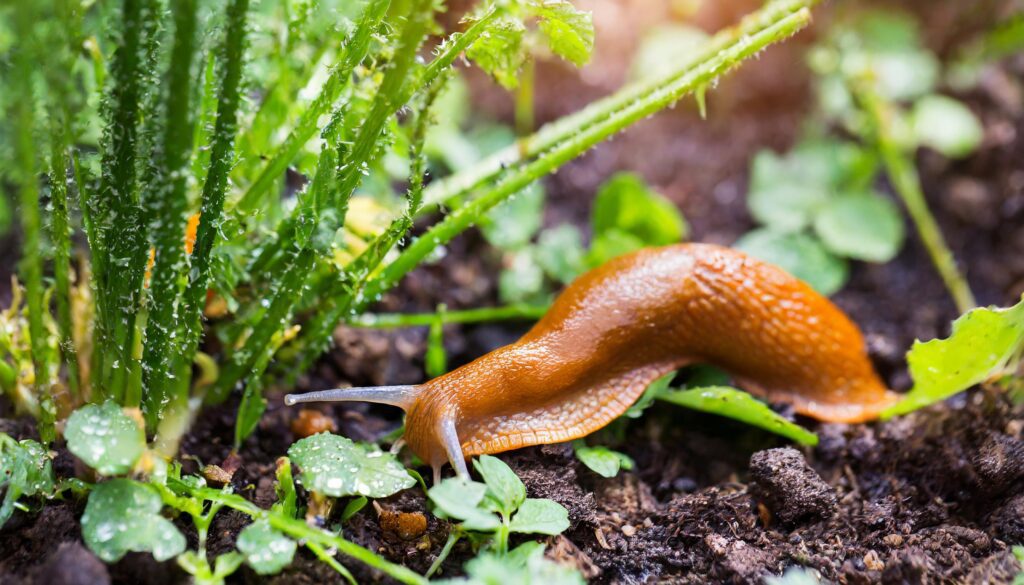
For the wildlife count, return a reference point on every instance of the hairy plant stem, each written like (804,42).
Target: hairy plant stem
(450,189)
(293,527)
(520,175)
(907,184)
(162,332)
(386,104)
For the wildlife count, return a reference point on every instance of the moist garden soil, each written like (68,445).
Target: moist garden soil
(932,497)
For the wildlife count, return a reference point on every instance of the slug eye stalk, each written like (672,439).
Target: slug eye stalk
(401,396)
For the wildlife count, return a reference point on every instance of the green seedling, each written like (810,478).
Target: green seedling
(123,516)
(627,215)
(498,506)
(335,466)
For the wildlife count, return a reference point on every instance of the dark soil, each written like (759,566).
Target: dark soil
(933,497)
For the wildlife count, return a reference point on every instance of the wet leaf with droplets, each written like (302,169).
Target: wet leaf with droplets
(335,466)
(25,470)
(105,438)
(124,516)
(266,550)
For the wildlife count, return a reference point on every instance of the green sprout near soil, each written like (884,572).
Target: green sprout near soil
(498,507)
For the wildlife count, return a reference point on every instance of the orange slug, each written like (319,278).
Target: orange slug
(621,326)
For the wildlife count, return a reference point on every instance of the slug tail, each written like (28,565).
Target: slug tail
(401,396)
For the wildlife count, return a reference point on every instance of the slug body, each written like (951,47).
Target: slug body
(618,328)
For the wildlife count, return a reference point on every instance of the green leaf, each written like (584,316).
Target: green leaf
(499,51)
(946,125)
(862,226)
(985,343)
(504,488)
(611,244)
(124,516)
(460,499)
(569,32)
(738,405)
(559,252)
(353,507)
(799,254)
(627,204)
(26,469)
(786,192)
(522,281)
(511,225)
(602,460)
(266,550)
(335,466)
(284,488)
(105,438)
(882,31)
(540,516)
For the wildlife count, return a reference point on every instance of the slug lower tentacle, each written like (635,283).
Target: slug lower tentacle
(618,328)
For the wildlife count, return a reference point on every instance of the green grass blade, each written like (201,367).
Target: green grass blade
(287,289)
(60,236)
(738,405)
(23,114)
(355,51)
(555,132)
(114,208)
(232,59)
(162,338)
